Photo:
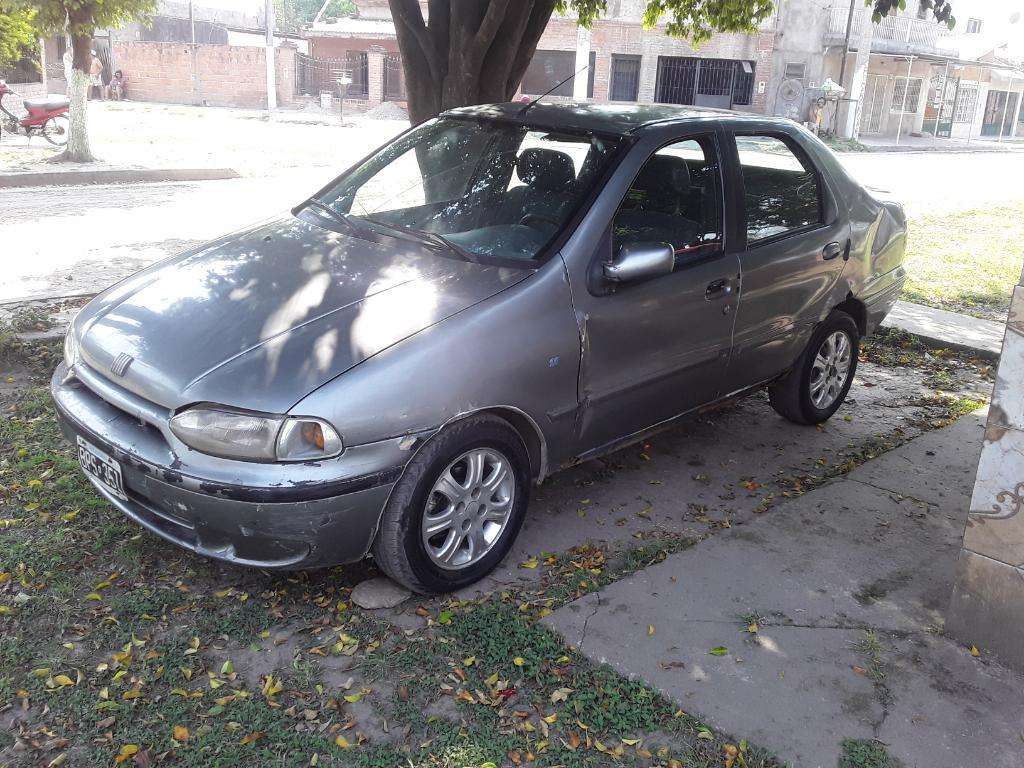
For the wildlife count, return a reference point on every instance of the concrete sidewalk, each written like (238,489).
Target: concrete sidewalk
(942,328)
(848,585)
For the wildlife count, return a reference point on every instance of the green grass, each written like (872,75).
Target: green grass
(967,261)
(863,753)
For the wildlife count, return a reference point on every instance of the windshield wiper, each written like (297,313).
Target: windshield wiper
(448,243)
(422,235)
(323,207)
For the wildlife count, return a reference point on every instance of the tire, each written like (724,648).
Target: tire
(405,551)
(56,130)
(796,396)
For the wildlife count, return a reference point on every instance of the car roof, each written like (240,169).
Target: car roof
(601,118)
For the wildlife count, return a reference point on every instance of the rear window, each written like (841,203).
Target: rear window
(781,189)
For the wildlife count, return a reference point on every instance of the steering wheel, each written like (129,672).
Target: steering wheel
(537,217)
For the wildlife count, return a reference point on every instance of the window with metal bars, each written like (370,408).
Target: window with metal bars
(743,85)
(913,94)
(625,80)
(704,82)
(966,104)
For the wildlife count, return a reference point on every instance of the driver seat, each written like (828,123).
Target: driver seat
(47,103)
(548,177)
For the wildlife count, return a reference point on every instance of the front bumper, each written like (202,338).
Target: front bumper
(306,515)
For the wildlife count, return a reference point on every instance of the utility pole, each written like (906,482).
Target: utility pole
(271,75)
(192,53)
(846,42)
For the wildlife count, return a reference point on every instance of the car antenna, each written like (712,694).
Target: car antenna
(527,107)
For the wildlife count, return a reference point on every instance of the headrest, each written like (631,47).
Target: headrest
(546,170)
(664,173)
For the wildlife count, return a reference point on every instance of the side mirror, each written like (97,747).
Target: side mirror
(640,261)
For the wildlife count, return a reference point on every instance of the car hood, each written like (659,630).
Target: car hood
(259,319)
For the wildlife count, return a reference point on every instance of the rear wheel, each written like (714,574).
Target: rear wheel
(822,376)
(56,130)
(458,507)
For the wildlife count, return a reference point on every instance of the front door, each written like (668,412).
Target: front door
(796,248)
(1000,111)
(657,348)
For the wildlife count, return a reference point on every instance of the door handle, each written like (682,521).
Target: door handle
(830,251)
(717,289)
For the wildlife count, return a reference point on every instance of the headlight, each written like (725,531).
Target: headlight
(70,348)
(254,437)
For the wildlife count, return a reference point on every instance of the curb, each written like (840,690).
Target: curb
(124,176)
(935,342)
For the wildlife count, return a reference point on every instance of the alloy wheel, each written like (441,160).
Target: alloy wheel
(468,508)
(830,369)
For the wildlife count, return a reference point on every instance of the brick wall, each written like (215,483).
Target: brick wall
(225,75)
(630,38)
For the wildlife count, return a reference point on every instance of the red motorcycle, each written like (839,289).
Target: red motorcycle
(47,116)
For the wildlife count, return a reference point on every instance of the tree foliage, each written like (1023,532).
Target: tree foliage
(17,36)
(293,15)
(475,51)
(80,18)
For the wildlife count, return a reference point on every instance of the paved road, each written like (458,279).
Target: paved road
(68,240)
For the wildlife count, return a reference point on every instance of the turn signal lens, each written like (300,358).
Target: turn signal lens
(70,348)
(304,439)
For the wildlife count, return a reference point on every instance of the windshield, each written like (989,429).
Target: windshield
(488,188)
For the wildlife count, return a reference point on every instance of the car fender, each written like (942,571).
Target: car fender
(516,352)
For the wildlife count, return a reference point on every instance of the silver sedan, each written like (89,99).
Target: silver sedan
(507,289)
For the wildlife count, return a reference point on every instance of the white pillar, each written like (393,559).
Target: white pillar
(271,73)
(903,106)
(579,83)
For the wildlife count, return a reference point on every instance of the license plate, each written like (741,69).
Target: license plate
(97,465)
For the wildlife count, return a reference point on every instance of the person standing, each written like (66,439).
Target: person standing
(95,77)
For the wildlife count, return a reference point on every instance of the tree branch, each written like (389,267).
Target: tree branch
(408,14)
(537,22)
(491,23)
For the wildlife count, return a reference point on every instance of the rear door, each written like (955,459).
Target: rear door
(795,243)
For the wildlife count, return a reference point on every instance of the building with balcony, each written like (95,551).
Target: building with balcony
(906,75)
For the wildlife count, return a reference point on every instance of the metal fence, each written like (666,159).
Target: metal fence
(394,78)
(314,75)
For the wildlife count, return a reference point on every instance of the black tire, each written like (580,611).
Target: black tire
(398,548)
(56,130)
(790,396)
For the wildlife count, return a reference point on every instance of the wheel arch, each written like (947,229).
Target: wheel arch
(856,309)
(527,429)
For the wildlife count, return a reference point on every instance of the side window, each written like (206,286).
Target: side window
(675,199)
(781,190)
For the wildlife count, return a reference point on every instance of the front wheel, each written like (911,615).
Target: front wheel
(458,507)
(56,130)
(822,376)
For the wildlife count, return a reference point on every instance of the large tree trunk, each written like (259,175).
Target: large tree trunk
(77,149)
(469,52)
